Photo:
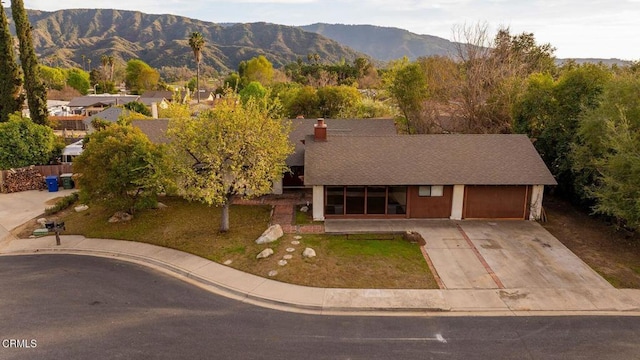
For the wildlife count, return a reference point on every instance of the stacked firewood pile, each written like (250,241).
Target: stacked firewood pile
(23,179)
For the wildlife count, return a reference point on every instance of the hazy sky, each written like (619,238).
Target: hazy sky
(577,28)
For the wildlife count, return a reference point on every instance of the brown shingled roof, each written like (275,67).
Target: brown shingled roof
(156,129)
(300,128)
(445,159)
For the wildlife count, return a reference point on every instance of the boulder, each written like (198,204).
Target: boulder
(120,216)
(273,233)
(81,208)
(265,253)
(309,253)
(41,221)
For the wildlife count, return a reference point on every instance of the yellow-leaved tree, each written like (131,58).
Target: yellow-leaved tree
(235,150)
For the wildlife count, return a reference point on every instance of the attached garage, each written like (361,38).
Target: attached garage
(496,202)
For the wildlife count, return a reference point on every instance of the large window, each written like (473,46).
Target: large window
(335,200)
(355,200)
(376,199)
(366,200)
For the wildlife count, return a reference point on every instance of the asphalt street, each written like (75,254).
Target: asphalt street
(79,307)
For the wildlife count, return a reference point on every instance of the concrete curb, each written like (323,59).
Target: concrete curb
(228,282)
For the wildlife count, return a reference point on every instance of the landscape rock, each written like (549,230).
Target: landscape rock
(120,216)
(228,262)
(304,209)
(265,253)
(297,237)
(273,233)
(288,257)
(290,249)
(81,208)
(273,273)
(282,262)
(309,253)
(41,221)
(295,242)
(161,206)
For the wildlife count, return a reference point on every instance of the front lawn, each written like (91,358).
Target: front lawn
(354,261)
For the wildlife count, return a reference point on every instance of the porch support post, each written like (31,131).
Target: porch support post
(318,203)
(457,202)
(535,208)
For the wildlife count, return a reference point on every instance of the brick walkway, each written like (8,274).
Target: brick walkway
(284,211)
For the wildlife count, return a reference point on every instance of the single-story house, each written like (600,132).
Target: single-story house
(71,151)
(155,129)
(449,176)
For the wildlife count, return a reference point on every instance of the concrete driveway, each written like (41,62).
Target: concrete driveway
(20,207)
(490,254)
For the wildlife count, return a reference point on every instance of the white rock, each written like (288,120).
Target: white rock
(304,209)
(309,253)
(80,208)
(291,249)
(161,206)
(295,242)
(288,257)
(228,262)
(265,253)
(273,273)
(273,233)
(41,221)
(297,237)
(120,216)
(282,262)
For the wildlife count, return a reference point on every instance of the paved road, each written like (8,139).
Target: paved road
(84,307)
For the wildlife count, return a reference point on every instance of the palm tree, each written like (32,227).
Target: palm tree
(112,62)
(89,64)
(196,41)
(83,59)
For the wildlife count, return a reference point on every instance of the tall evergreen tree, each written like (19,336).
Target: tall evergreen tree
(10,79)
(36,91)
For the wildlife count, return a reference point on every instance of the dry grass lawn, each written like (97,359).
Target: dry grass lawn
(362,261)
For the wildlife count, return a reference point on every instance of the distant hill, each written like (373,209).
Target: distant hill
(64,36)
(384,43)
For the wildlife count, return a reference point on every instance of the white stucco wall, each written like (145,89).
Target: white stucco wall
(318,203)
(535,208)
(457,202)
(277,187)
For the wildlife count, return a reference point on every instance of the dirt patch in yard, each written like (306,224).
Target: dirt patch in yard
(613,254)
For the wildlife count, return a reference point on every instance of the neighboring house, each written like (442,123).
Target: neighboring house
(71,151)
(451,176)
(162,103)
(158,94)
(300,128)
(111,114)
(92,104)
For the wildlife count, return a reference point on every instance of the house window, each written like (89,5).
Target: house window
(397,202)
(376,199)
(434,190)
(355,200)
(335,200)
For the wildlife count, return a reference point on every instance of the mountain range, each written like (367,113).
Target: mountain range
(69,37)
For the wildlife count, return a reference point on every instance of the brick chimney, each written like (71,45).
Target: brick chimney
(320,131)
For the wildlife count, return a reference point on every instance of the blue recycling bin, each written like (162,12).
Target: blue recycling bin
(52,183)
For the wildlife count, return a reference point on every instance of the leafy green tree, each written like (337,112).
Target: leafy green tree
(234,150)
(140,76)
(196,42)
(407,85)
(617,192)
(258,69)
(338,101)
(232,81)
(120,167)
(550,111)
(36,92)
(253,90)
(10,78)
(79,80)
(303,101)
(138,107)
(54,78)
(24,143)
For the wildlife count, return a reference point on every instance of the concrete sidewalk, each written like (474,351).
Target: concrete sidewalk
(253,289)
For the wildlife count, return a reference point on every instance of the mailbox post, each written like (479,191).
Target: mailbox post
(56,227)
